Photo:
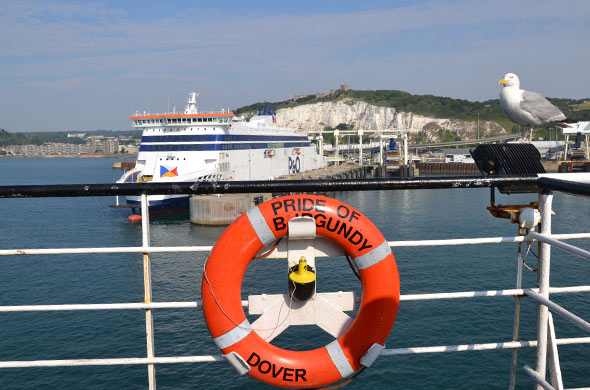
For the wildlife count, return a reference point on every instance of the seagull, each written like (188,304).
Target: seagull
(527,108)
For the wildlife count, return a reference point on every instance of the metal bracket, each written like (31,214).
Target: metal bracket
(301,241)
(237,362)
(326,310)
(278,311)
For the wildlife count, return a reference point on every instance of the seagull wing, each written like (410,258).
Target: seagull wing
(536,104)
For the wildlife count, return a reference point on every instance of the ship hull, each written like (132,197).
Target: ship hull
(195,147)
(165,205)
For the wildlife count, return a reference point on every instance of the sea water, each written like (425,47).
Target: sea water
(118,278)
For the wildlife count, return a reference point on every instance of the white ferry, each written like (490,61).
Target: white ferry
(193,146)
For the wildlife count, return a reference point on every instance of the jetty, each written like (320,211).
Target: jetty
(224,209)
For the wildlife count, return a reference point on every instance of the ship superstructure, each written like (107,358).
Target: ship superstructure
(194,146)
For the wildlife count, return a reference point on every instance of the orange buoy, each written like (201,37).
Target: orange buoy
(134,218)
(358,346)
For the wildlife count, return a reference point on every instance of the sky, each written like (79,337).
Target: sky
(76,65)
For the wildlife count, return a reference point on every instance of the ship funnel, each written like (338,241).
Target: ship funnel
(191,106)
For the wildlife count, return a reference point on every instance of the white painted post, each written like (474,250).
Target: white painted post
(360,147)
(516,318)
(554,366)
(405,138)
(545,201)
(336,133)
(147,282)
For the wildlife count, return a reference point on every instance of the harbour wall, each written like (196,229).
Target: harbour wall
(224,209)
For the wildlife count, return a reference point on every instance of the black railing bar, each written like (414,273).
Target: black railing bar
(273,186)
(570,187)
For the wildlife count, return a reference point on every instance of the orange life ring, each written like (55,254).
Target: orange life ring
(262,225)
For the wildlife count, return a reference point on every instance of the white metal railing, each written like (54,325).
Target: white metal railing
(546,342)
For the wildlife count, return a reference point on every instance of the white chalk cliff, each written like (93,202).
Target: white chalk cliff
(315,117)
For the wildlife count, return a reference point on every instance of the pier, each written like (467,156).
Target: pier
(224,209)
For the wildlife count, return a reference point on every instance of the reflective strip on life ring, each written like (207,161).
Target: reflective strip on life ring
(262,225)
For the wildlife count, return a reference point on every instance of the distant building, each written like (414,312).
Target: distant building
(49,149)
(103,146)
(111,146)
(458,155)
(343,88)
(133,149)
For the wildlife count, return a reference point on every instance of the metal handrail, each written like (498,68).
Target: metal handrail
(540,294)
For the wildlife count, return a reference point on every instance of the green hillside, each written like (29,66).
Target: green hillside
(40,138)
(436,106)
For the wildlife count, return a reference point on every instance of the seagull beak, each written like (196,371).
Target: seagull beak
(503,81)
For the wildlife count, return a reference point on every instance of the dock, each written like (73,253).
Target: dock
(223,210)
(342,171)
(124,165)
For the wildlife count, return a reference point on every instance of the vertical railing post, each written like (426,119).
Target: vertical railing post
(515,330)
(554,366)
(545,201)
(147,282)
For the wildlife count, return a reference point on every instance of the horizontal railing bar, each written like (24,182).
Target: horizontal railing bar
(479,347)
(130,249)
(207,248)
(274,186)
(219,358)
(198,303)
(489,293)
(456,241)
(561,245)
(553,183)
(111,362)
(108,306)
(555,308)
(103,306)
(538,379)
(477,241)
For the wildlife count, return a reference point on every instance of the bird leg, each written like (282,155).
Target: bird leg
(531,134)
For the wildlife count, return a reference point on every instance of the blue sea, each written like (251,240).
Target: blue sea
(400,215)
